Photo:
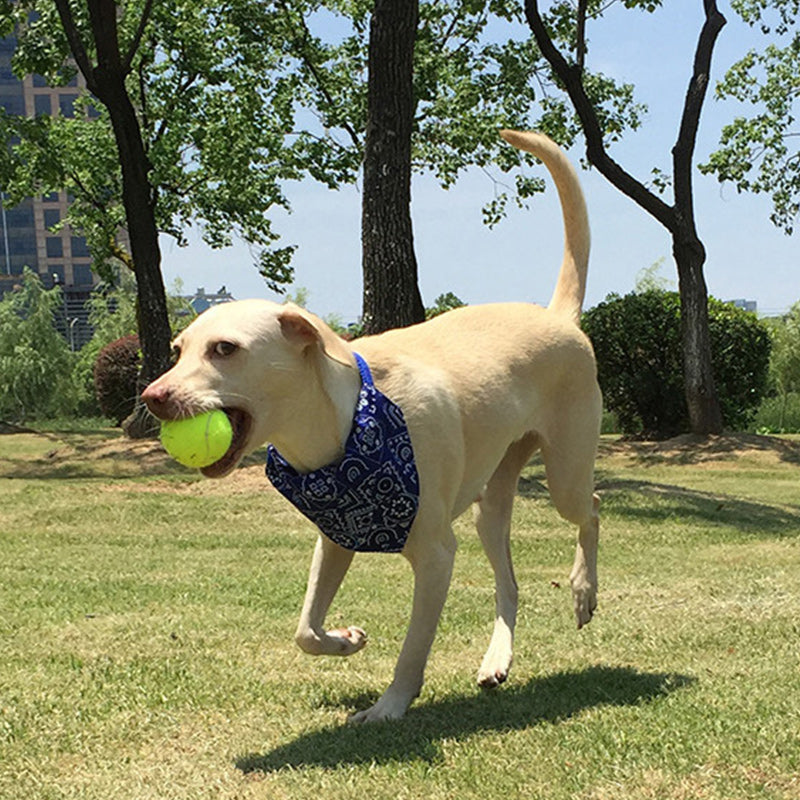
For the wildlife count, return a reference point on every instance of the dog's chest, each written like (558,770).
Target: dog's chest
(368,500)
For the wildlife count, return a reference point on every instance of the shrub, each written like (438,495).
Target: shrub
(740,349)
(35,360)
(115,374)
(779,414)
(637,342)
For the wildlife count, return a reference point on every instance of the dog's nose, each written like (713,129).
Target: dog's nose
(158,398)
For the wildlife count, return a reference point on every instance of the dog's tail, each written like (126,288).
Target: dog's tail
(571,285)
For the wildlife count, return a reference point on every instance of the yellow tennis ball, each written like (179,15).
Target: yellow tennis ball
(198,441)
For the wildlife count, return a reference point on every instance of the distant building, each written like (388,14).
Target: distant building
(201,300)
(747,305)
(26,235)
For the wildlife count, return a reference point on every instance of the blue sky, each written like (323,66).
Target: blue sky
(518,259)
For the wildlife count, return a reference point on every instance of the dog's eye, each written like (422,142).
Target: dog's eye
(175,354)
(225,349)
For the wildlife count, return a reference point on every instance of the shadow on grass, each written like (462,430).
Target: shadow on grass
(419,735)
(650,501)
(93,453)
(645,500)
(690,449)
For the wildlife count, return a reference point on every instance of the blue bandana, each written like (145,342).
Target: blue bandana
(366,501)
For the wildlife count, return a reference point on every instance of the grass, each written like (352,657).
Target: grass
(146,623)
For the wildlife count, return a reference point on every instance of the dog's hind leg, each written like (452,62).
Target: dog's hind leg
(493,520)
(328,568)
(569,462)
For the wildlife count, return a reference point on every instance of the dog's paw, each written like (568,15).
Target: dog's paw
(391,705)
(347,640)
(584,596)
(494,669)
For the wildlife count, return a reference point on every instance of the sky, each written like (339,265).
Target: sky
(747,257)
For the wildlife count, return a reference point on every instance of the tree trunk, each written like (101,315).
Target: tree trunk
(137,198)
(106,80)
(705,416)
(702,401)
(391,294)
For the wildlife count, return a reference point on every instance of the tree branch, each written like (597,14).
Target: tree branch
(572,79)
(103,18)
(127,61)
(119,252)
(300,43)
(75,43)
(683,151)
(580,45)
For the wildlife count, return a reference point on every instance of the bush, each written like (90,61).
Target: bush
(779,414)
(740,349)
(637,342)
(115,373)
(35,360)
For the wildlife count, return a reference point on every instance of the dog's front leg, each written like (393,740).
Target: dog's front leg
(328,568)
(432,561)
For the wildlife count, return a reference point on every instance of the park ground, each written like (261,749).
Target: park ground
(146,622)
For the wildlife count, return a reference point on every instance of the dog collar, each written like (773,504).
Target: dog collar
(367,500)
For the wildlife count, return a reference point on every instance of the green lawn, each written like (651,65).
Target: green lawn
(146,623)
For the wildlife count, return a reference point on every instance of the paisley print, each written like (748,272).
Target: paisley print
(367,500)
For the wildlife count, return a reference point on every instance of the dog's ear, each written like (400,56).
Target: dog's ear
(305,330)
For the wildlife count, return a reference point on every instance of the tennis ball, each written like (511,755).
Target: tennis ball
(197,441)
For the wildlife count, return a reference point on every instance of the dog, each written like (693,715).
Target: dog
(480,390)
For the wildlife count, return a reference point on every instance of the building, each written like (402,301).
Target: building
(747,305)
(202,300)
(27,235)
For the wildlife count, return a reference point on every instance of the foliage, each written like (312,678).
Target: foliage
(288,78)
(636,339)
(785,360)
(112,315)
(758,151)
(470,79)
(115,373)
(651,278)
(784,370)
(637,344)
(444,302)
(35,360)
(740,347)
(194,83)
(778,414)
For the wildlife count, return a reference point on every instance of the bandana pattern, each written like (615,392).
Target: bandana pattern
(368,500)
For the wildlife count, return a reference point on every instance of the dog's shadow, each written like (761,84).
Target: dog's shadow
(418,736)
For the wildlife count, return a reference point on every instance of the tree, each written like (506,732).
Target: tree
(636,340)
(568,26)
(466,85)
(757,152)
(106,60)
(169,81)
(785,360)
(443,303)
(35,360)
(391,293)
(296,100)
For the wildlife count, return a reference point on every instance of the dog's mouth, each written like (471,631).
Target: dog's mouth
(241,423)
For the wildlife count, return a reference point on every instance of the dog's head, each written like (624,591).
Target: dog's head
(253,359)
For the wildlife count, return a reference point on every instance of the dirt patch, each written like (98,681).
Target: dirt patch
(248,479)
(712,450)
